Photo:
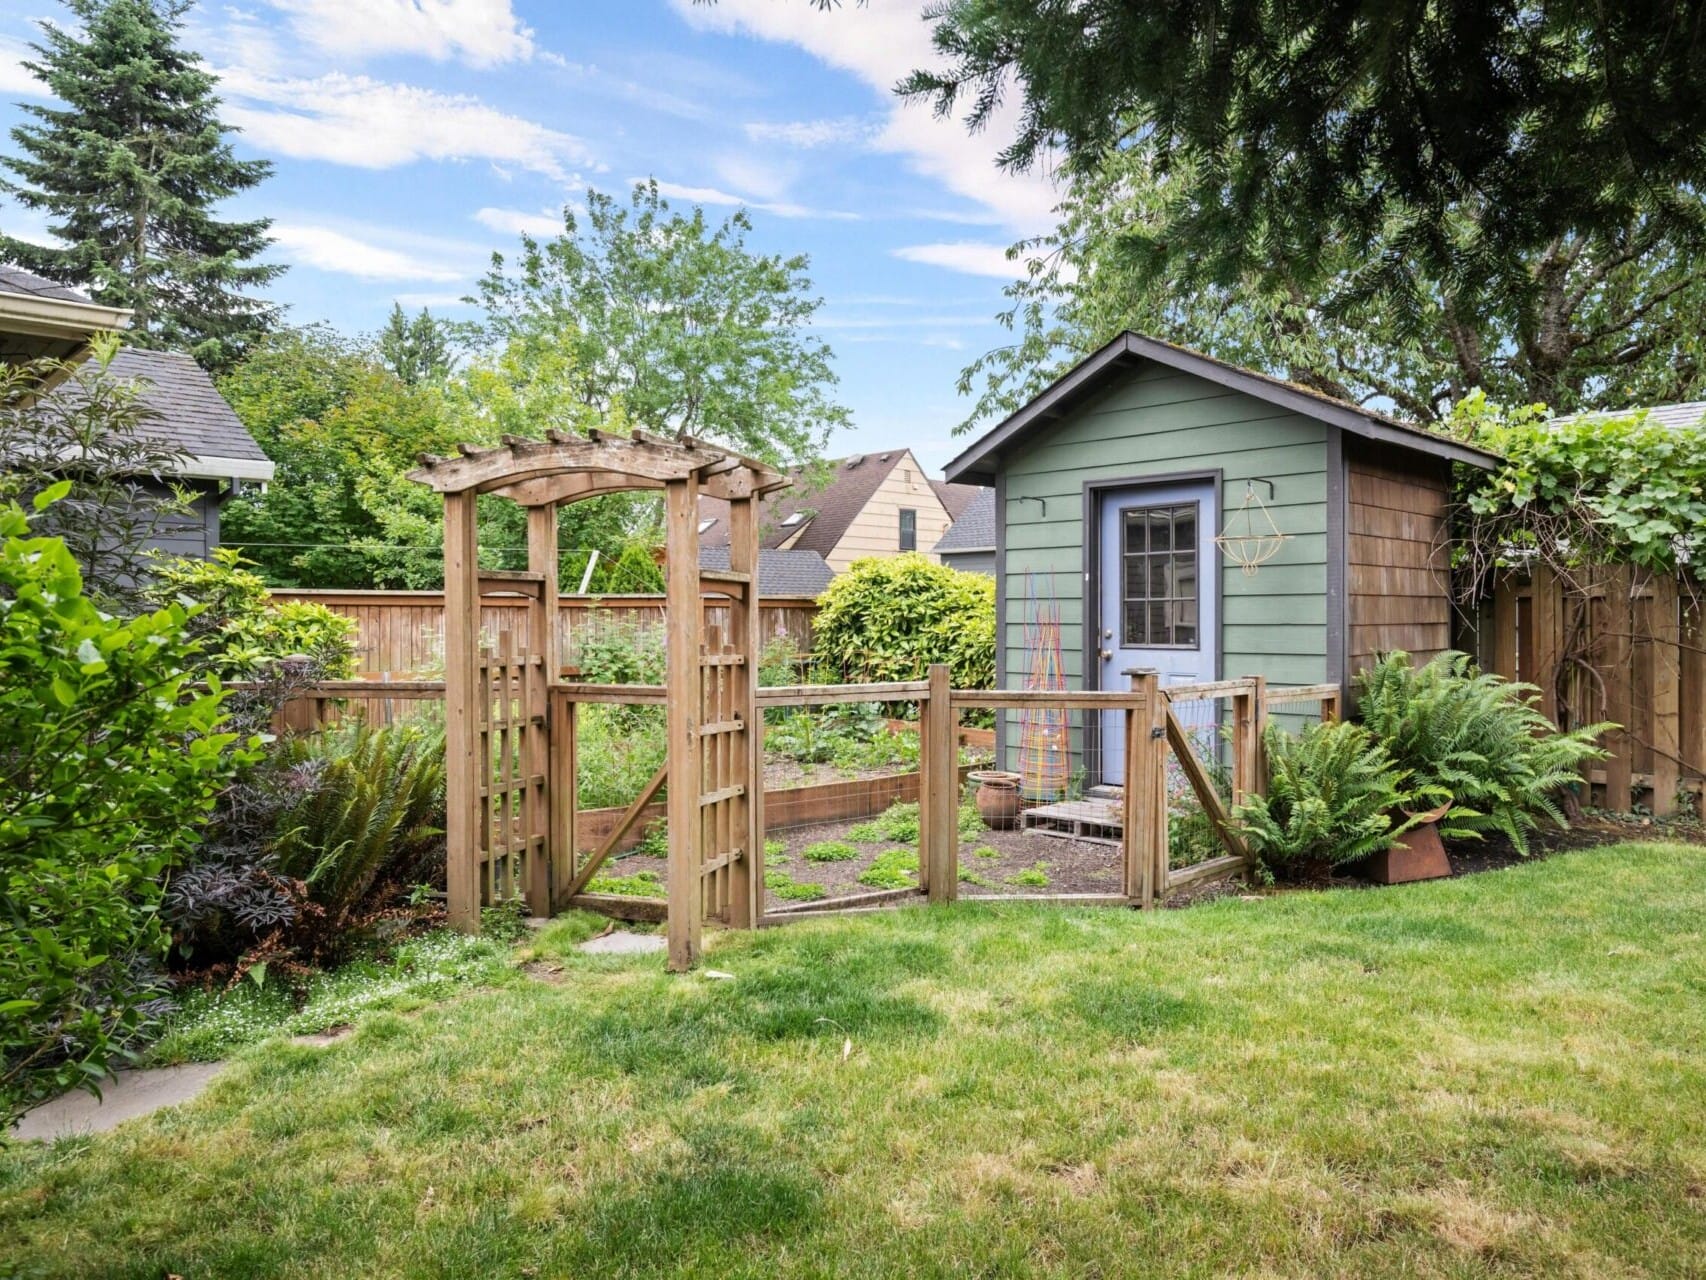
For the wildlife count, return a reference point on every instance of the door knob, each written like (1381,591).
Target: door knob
(1107,655)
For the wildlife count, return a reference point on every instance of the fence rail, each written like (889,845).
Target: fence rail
(1150,732)
(401,633)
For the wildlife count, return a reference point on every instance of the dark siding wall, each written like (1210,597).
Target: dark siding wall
(970,561)
(195,533)
(1398,581)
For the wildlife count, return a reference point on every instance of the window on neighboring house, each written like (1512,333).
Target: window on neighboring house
(908,529)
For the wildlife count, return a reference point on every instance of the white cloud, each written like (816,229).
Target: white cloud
(373,124)
(483,33)
(812,133)
(16,80)
(717,196)
(518,222)
(880,42)
(750,173)
(967,256)
(331,250)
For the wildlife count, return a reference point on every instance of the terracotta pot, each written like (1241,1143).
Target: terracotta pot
(997,798)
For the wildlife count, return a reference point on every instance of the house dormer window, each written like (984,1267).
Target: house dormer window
(704,525)
(908,529)
(797,517)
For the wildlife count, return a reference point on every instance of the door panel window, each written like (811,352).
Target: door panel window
(1159,596)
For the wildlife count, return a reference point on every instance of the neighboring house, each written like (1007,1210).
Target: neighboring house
(43,320)
(970,544)
(1111,486)
(781,574)
(874,504)
(216,455)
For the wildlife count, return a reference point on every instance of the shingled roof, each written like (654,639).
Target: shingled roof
(974,530)
(17,280)
(780,573)
(188,415)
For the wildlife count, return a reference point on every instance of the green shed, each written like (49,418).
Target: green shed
(1112,486)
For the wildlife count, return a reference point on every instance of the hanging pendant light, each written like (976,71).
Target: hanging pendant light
(1251,537)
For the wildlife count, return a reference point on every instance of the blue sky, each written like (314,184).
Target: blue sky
(413,137)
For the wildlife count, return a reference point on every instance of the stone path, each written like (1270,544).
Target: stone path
(619,942)
(131,1094)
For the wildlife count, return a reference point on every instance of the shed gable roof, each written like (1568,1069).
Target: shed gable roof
(189,416)
(980,462)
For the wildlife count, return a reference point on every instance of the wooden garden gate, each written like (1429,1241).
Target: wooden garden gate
(510,719)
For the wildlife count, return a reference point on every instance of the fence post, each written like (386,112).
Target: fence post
(1249,721)
(1618,655)
(1145,819)
(939,792)
(1667,694)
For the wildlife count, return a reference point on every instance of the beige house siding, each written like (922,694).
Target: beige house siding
(876,529)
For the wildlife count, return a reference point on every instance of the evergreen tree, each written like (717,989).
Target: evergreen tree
(415,350)
(129,169)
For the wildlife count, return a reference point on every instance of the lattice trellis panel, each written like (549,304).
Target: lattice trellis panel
(514,817)
(724,781)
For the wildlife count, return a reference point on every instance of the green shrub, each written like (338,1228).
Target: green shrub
(986,851)
(889,619)
(611,649)
(892,869)
(373,811)
(239,625)
(898,824)
(634,571)
(642,884)
(1476,739)
(1032,877)
(109,765)
(829,851)
(1332,796)
(848,735)
(784,886)
(618,749)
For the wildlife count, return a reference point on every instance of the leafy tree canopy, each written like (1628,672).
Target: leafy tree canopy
(1587,321)
(129,169)
(1286,130)
(676,320)
(418,350)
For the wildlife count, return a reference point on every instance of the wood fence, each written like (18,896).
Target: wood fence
(1151,731)
(1613,645)
(400,634)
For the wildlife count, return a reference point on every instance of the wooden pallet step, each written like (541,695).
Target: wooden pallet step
(1084,820)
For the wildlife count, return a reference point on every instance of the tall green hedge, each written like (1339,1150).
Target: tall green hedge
(889,619)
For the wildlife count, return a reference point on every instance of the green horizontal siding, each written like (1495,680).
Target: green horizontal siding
(1154,423)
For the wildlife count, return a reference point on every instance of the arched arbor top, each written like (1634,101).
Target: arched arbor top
(565,468)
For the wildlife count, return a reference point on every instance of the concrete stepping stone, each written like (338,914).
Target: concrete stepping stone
(129,1095)
(620,942)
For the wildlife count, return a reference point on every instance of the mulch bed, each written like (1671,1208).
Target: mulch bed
(1071,866)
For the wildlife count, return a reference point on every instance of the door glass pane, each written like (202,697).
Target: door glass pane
(1160,530)
(1134,633)
(1185,528)
(1133,532)
(1158,577)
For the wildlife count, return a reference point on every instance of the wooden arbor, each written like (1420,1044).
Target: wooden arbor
(510,763)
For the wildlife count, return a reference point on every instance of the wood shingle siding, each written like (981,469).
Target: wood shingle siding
(1398,580)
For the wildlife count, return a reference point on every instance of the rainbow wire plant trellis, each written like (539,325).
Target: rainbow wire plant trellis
(1251,538)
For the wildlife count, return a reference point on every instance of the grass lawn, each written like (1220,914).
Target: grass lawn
(1492,1076)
